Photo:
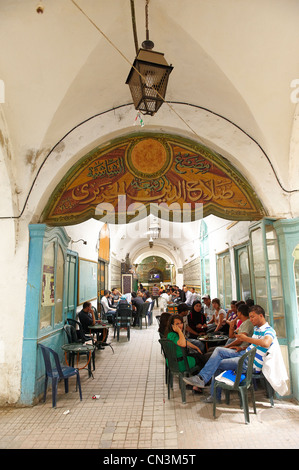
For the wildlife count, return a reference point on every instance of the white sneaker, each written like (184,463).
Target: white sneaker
(194,380)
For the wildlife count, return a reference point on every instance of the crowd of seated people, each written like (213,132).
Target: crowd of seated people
(195,317)
(112,300)
(201,319)
(203,316)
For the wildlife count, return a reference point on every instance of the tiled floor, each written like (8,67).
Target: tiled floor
(133,411)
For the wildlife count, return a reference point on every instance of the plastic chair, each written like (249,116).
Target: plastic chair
(123,319)
(150,312)
(103,314)
(139,309)
(162,352)
(240,386)
(57,373)
(82,337)
(269,390)
(143,314)
(73,338)
(170,352)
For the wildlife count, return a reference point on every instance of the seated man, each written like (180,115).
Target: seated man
(188,294)
(208,311)
(195,295)
(87,319)
(227,358)
(136,300)
(115,296)
(245,327)
(122,301)
(109,312)
(176,297)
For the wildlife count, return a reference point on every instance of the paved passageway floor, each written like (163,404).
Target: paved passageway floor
(133,411)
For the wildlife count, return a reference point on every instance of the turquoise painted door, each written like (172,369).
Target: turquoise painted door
(288,238)
(71,287)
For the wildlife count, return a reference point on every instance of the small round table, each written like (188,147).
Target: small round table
(77,349)
(99,327)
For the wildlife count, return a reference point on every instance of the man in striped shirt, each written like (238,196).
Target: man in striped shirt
(227,359)
(262,338)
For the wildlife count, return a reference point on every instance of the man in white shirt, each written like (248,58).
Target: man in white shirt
(108,311)
(208,307)
(194,295)
(165,299)
(188,294)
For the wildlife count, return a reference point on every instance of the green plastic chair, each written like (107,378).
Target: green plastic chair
(269,389)
(170,353)
(162,352)
(143,314)
(139,309)
(123,319)
(240,386)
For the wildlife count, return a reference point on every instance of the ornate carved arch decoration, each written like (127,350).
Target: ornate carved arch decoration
(149,170)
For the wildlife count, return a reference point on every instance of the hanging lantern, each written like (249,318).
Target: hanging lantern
(148,87)
(149,74)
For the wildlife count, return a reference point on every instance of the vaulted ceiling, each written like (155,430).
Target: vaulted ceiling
(234,60)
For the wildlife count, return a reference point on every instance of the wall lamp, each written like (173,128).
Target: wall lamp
(80,240)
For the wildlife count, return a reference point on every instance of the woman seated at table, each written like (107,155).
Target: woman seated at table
(219,317)
(174,332)
(197,320)
(231,318)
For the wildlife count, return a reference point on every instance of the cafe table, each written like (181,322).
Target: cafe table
(98,327)
(210,340)
(78,349)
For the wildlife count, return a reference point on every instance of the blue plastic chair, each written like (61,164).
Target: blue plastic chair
(57,373)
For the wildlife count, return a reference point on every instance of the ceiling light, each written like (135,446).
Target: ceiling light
(148,77)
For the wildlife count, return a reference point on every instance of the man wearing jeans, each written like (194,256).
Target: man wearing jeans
(227,359)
